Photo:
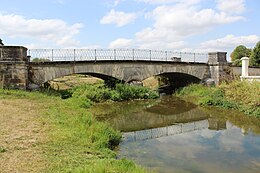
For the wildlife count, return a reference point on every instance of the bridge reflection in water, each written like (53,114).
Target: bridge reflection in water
(166,131)
(142,120)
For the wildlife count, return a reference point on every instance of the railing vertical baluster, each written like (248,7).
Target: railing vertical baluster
(95,52)
(74,54)
(133,54)
(166,54)
(52,55)
(194,57)
(114,54)
(150,55)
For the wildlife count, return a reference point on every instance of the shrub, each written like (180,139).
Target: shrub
(99,93)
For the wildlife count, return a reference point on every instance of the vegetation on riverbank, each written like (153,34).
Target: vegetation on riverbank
(243,96)
(74,141)
(100,93)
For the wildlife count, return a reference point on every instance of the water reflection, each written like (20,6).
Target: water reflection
(140,115)
(204,150)
(175,136)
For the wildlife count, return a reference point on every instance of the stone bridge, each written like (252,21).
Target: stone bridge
(17,71)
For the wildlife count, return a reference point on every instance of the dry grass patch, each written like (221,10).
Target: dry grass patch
(21,134)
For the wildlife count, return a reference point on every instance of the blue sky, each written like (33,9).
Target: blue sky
(181,25)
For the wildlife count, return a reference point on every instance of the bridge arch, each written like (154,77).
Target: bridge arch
(170,81)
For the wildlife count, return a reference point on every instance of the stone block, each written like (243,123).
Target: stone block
(216,58)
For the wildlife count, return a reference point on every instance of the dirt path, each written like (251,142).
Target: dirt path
(21,136)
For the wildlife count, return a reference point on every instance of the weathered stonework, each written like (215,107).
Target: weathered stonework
(13,67)
(219,68)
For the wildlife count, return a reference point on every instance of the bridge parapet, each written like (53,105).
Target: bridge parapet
(13,67)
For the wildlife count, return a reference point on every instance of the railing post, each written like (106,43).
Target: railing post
(180,54)
(95,53)
(114,54)
(74,54)
(52,55)
(166,54)
(150,55)
(194,58)
(133,54)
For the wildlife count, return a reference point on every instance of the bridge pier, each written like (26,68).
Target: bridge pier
(218,67)
(13,67)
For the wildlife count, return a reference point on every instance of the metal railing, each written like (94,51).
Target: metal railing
(114,54)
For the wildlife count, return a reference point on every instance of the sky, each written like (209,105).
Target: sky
(178,25)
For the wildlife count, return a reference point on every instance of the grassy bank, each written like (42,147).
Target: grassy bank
(73,140)
(239,95)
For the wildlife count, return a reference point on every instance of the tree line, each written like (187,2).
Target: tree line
(242,51)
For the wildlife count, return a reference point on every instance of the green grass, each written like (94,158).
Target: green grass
(243,96)
(111,166)
(2,150)
(75,140)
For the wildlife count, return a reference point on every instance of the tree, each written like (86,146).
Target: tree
(255,57)
(238,53)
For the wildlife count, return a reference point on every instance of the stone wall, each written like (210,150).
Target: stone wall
(13,67)
(252,71)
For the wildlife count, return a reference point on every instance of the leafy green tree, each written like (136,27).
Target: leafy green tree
(238,53)
(255,57)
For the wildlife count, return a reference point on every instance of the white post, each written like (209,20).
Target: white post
(245,63)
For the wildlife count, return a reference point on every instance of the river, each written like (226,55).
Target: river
(170,135)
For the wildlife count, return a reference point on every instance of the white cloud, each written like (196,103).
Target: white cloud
(231,6)
(172,24)
(49,30)
(119,18)
(121,43)
(112,3)
(231,140)
(229,42)
(116,2)
(169,1)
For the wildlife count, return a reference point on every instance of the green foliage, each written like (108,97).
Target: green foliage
(255,57)
(99,93)
(40,60)
(112,166)
(236,95)
(238,53)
